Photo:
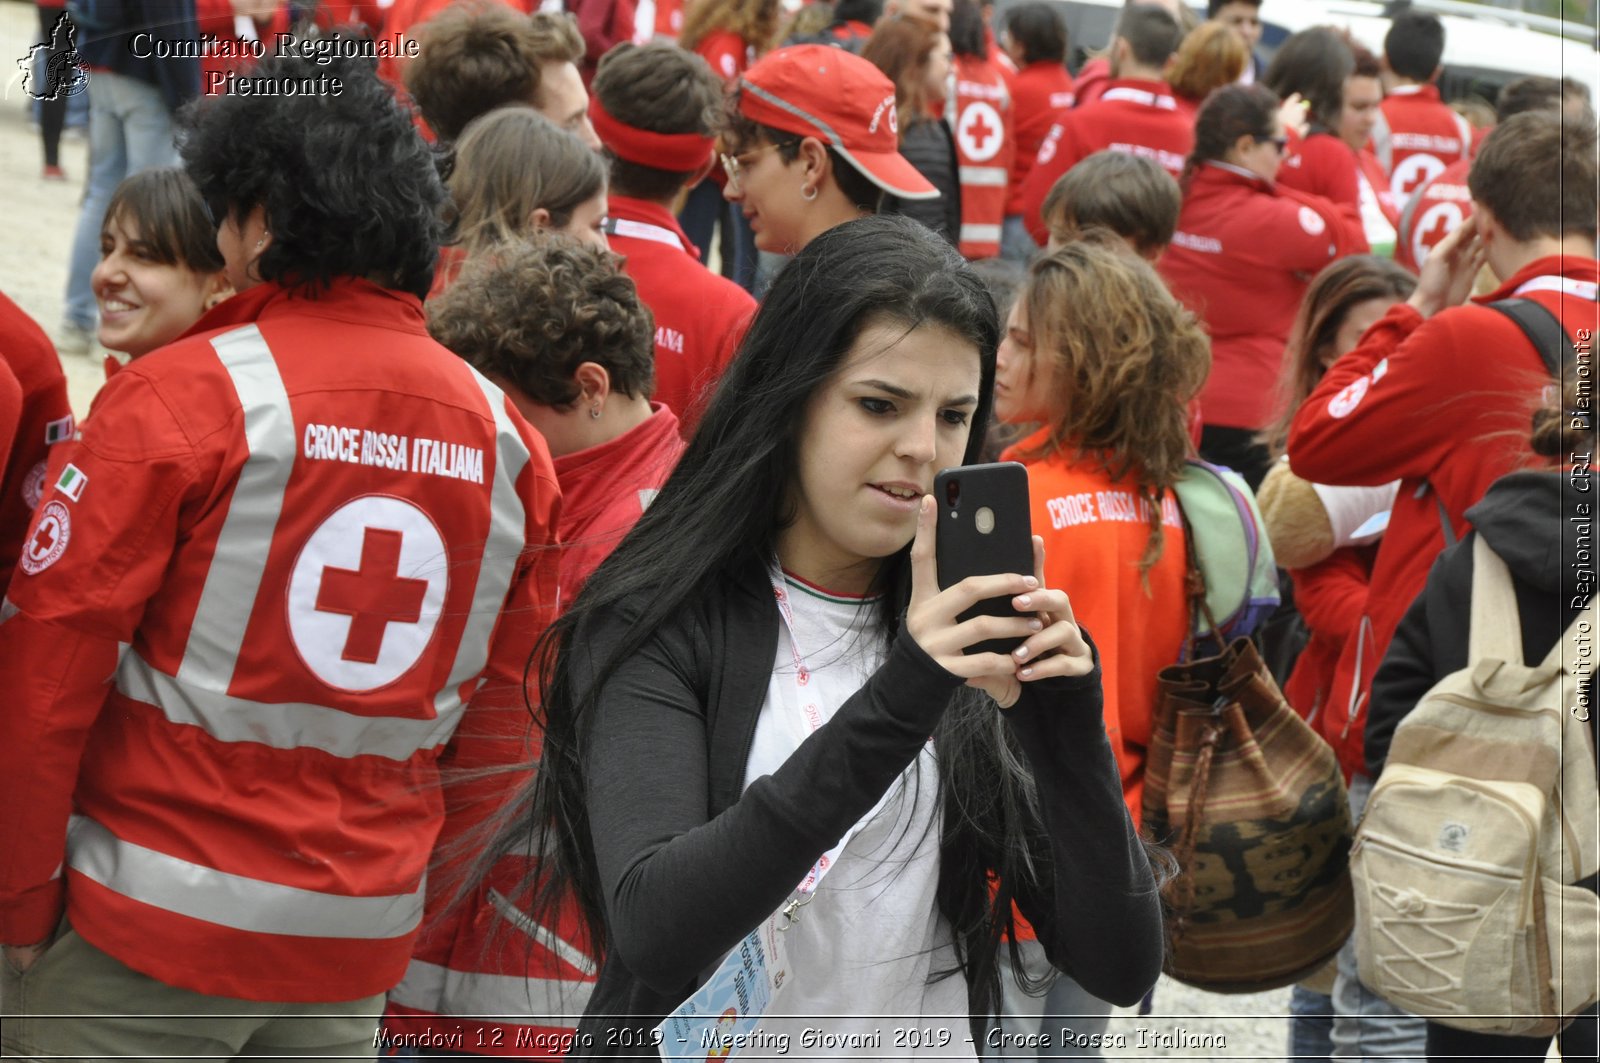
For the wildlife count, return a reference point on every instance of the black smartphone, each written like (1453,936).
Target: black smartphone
(984,529)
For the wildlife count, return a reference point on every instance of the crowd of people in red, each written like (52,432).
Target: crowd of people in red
(424,393)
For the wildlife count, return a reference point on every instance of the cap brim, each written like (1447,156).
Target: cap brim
(891,172)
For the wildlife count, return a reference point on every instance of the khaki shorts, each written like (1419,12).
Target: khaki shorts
(76,1002)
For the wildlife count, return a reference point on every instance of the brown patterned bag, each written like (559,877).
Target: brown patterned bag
(1253,805)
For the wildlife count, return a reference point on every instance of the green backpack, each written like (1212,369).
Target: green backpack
(1229,554)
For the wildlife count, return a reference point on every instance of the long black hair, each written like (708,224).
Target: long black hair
(719,516)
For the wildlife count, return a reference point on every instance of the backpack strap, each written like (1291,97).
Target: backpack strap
(1543,329)
(1495,629)
(1557,657)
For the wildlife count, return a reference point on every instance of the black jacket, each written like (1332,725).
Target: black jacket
(1542,525)
(929,147)
(689,864)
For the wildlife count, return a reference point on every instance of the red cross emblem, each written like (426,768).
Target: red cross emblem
(373,596)
(44,539)
(980,132)
(367,592)
(49,540)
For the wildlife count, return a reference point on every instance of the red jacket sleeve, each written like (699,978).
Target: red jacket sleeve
(108,552)
(10,415)
(1328,171)
(724,53)
(1314,232)
(1058,153)
(1367,422)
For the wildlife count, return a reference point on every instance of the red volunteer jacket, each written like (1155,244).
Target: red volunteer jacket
(605,490)
(700,317)
(1416,137)
(1132,115)
(604,24)
(1442,404)
(1437,210)
(1330,596)
(669,19)
(319,539)
(1244,252)
(1041,93)
(1323,165)
(41,419)
(980,114)
(726,53)
(470,963)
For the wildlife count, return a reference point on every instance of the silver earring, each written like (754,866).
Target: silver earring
(594,412)
(808,194)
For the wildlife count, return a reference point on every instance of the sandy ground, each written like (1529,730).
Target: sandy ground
(35,235)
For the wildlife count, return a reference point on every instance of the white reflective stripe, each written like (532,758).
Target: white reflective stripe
(247,904)
(1149,99)
(569,953)
(472,994)
(240,556)
(280,725)
(502,552)
(986,176)
(639,230)
(1565,285)
(1382,145)
(979,233)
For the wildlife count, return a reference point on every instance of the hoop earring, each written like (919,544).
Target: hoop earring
(808,193)
(594,412)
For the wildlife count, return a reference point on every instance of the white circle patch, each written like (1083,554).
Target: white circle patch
(1412,173)
(33,486)
(979,131)
(1344,403)
(366,592)
(1437,222)
(1311,221)
(49,539)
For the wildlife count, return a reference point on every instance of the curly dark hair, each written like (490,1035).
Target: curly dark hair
(531,312)
(347,185)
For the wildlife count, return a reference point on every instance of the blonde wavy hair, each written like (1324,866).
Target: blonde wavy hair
(1126,358)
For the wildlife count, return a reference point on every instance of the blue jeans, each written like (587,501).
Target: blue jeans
(1310,1025)
(1015,243)
(1366,1026)
(130,129)
(1065,1005)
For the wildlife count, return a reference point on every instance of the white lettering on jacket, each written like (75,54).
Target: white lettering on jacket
(385,450)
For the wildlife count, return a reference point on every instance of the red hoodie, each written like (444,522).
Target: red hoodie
(1244,252)
(1132,115)
(1323,165)
(1443,405)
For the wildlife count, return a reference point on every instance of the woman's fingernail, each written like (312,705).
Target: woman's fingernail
(1030,581)
(1026,672)
(1021,652)
(1024,601)
(1036,625)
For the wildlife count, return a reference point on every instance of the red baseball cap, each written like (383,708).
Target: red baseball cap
(844,101)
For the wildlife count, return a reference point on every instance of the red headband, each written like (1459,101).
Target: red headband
(678,152)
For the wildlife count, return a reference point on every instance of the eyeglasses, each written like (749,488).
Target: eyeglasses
(1281,143)
(733,165)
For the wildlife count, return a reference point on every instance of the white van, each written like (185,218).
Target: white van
(1484,47)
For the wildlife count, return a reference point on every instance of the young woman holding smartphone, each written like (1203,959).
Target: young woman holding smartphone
(741,701)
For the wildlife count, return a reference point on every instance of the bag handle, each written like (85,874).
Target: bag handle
(1195,590)
(1495,629)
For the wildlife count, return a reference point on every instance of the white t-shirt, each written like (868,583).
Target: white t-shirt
(861,950)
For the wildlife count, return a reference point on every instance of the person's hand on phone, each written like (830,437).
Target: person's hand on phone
(1050,643)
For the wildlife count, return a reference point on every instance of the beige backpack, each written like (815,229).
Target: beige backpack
(1485,814)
